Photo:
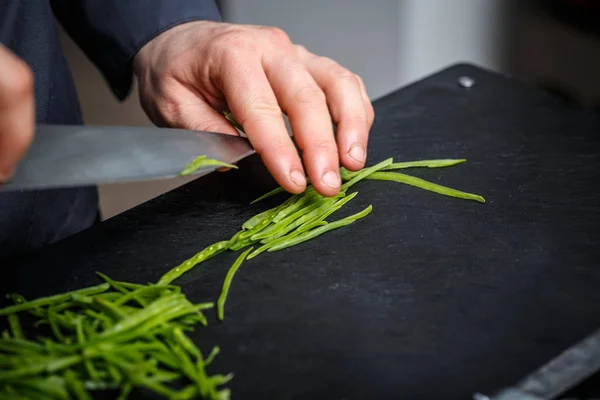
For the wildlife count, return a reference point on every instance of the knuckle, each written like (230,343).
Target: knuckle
(339,73)
(370,113)
(360,80)
(277,36)
(301,49)
(310,96)
(302,52)
(164,111)
(230,42)
(335,72)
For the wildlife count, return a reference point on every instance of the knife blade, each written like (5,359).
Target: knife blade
(76,155)
(557,376)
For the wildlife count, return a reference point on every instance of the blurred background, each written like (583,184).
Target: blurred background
(554,44)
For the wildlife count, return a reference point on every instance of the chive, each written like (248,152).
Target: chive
(201,162)
(227,283)
(76,386)
(52,387)
(320,230)
(15,326)
(322,208)
(127,388)
(204,255)
(185,364)
(258,227)
(253,221)
(146,291)
(347,175)
(53,299)
(281,225)
(140,379)
(269,194)
(113,283)
(100,385)
(234,239)
(211,356)
(50,366)
(282,239)
(54,326)
(229,116)
(336,206)
(110,309)
(89,365)
(308,195)
(114,373)
(424,163)
(426,185)
(366,172)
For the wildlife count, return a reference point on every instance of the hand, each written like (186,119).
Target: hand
(17,111)
(192,72)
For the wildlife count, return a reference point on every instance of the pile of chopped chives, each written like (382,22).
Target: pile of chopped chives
(115,335)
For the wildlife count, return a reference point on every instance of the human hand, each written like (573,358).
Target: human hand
(189,74)
(17,111)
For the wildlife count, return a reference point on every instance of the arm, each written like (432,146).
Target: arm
(110,32)
(191,72)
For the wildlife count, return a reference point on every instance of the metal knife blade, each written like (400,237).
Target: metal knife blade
(560,374)
(75,155)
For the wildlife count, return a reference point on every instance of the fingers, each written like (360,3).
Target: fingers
(349,106)
(305,104)
(257,72)
(17,111)
(254,105)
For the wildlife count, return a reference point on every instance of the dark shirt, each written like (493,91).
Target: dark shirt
(110,32)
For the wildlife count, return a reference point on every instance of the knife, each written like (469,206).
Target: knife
(560,374)
(75,155)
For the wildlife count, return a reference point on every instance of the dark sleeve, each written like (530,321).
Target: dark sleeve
(110,32)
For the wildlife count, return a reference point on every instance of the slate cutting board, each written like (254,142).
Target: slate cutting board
(427,297)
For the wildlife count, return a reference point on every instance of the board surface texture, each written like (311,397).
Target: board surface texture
(427,297)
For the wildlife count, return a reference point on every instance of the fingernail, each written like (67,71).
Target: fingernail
(357,152)
(331,179)
(298,178)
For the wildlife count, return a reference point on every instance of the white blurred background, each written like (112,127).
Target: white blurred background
(390,43)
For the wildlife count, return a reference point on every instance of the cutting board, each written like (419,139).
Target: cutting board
(427,297)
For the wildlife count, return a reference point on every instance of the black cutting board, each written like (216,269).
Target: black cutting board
(427,297)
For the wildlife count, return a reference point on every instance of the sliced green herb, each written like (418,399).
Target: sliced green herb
(44,301)
(202,162)
(311,234)
(426,185)
(424,163)
(204,255)
(227,283)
